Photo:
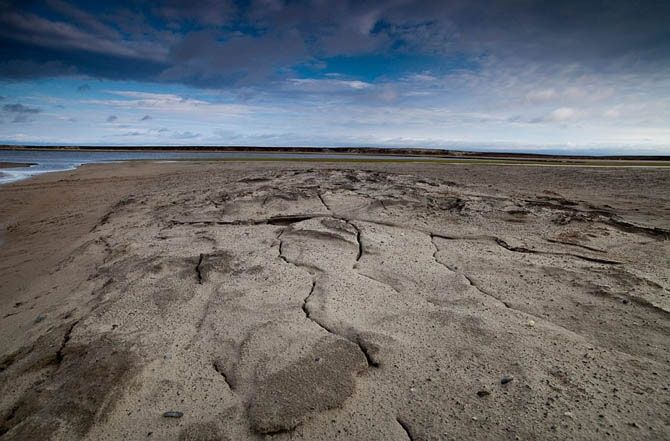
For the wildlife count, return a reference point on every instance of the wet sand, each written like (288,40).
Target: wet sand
(376,301)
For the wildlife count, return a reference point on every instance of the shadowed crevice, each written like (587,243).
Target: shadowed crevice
(370,354)
(525,250)
(198,268)
(406,427)
(502,243)
(305,308)
(219,369)
(66,338)
(359,242)
(437,250)
(627,227)
(480,289)
(281,252)
(286,220)
(573,244)
(320,196)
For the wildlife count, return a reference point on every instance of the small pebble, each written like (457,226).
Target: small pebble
(506,379)
(625,301)
(173,414)
(39,318)
(483,393)
(531,323)
(568,414)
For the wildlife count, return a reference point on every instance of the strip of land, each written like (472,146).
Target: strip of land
(318,300)
(15,164)
(375,151)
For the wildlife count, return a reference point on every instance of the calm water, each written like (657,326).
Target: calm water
(53,161)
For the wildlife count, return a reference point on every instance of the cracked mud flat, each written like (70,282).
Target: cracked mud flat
(329,301)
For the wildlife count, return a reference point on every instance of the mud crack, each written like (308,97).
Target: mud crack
(320,196)
(198,268)
(586,247)
(406,428)
(66,338)
(359,242)
(502,243)
(507,246)
(357,340)
(437,250)
(478,288)
(219,369)
(367,351)
(305,309)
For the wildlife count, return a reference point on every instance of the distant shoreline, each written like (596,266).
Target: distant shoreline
(417,152)
(16,164)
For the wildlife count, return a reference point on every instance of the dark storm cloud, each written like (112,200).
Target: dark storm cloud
(112,118)
(204,12)
(23,69)
(201,58)
(20,113)
(217,43)
(20,108)
(145,118)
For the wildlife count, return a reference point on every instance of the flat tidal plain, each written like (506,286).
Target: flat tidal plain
(325,301)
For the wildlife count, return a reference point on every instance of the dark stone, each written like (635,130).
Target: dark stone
(173,414)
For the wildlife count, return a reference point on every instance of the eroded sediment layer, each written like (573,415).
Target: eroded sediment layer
(337,302)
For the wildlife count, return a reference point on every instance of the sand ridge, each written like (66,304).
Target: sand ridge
(300,301)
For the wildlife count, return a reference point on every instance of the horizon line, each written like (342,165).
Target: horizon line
(422,151)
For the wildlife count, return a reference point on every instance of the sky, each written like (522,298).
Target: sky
(517,75)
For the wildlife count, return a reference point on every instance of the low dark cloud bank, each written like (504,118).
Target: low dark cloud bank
(20,108)
(240,43)
(19,113)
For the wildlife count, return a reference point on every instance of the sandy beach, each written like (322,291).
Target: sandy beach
(335,301)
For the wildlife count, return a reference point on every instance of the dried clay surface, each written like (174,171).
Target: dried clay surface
(244,301)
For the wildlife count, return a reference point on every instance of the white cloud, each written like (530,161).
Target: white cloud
(326,85)
(424,77)
(612,112)
(167,102)
(541,95)
(563,114)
